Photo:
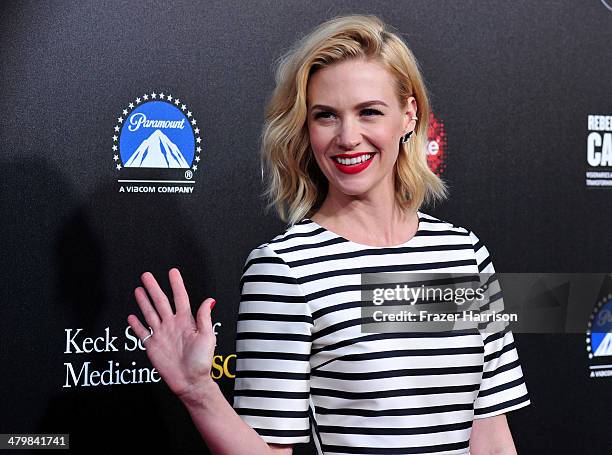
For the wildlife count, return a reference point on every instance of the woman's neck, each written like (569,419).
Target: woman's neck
(369,224)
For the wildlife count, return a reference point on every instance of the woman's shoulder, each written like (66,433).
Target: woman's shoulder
(429,222)
(297,235)
(436,225)
(285,242)
(481,253)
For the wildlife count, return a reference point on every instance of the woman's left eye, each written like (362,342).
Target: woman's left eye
(369,112)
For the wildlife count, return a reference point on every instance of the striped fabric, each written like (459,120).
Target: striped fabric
(305,369)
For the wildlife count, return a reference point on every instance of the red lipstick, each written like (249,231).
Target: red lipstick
(352,168)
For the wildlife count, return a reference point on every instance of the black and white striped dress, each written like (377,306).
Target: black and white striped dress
(305,369)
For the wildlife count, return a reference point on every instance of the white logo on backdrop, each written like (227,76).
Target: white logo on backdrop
(157,151)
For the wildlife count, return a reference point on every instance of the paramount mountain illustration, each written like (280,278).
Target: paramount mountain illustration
(605,347)
(157,151)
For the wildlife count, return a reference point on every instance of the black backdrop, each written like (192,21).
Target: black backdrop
(513,83)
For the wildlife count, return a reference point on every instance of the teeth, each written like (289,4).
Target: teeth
(351,161)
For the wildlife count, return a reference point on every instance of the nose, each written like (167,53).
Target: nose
(349,136)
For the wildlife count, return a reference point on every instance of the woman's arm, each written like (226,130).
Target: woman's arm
(181,350)
(222,429)
(491,436)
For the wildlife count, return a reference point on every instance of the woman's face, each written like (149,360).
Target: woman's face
(354,115)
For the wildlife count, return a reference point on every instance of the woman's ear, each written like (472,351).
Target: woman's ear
(410,111)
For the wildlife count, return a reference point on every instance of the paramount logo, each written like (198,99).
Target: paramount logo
(156,145)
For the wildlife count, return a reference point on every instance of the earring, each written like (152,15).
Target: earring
(405,137)
(414,117)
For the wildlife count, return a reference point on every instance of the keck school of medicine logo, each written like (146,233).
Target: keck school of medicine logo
(156,146)
(599,339)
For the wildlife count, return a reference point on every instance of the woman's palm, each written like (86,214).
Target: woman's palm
(181,349)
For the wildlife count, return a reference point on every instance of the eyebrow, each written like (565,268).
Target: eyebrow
(358,106)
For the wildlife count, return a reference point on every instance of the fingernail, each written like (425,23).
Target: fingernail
(212,304)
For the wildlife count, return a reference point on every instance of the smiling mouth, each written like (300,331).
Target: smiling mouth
(347,160)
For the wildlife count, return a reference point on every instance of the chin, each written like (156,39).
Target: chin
(354,189)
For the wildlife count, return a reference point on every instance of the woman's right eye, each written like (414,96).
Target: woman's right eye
(324,114)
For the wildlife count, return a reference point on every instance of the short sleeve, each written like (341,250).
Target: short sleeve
(273,341)
(502,387)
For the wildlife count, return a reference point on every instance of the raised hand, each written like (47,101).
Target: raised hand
(181,348)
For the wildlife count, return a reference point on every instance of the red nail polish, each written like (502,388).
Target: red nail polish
(212,305)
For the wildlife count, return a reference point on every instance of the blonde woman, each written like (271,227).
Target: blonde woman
(343,148)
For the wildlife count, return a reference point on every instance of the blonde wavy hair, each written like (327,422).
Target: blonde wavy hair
(295,185)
